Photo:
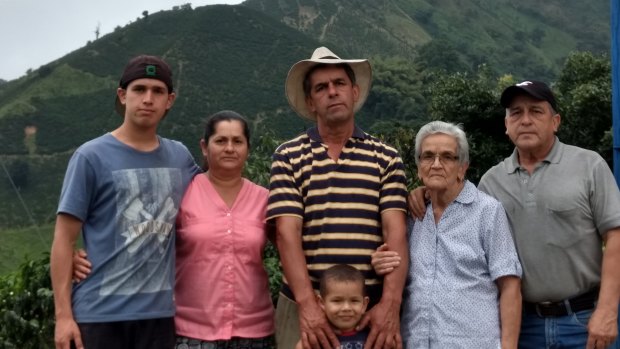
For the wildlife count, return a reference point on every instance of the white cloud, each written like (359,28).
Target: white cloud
(34,32)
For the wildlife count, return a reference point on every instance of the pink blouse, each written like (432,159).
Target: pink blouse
(221,286)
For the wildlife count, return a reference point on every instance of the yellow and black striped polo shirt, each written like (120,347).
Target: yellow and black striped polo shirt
(340,202)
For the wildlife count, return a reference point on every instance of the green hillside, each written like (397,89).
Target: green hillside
(237,57)
(21,244)
(524,38)
(222,56)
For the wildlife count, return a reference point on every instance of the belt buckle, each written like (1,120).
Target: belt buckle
(542,304)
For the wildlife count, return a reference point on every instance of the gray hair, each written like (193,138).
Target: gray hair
(435,127)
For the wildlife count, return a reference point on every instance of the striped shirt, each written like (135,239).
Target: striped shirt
(340,202)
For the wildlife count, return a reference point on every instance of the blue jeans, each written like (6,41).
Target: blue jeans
(559,332)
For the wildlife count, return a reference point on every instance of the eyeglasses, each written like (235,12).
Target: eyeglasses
(444,158)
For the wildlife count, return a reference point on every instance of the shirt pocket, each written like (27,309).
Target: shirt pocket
(564,228)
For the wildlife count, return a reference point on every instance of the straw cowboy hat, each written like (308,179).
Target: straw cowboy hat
(294,81)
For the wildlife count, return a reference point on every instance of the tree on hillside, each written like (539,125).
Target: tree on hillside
(440,54)
(472,100)
(401,135)
(45,70)
(396,91)
(258,166)
(397,106)
(584,90)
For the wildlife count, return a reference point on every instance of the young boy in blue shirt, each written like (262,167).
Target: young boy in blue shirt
(344,301)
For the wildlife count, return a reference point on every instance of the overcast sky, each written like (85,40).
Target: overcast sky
(36,32)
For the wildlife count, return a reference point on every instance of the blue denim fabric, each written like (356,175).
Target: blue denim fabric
(561,332)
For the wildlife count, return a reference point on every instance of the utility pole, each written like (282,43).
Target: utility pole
(97,30)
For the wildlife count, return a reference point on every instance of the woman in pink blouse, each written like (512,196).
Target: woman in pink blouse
(222,292)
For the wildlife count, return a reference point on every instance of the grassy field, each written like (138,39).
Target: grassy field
(21,244)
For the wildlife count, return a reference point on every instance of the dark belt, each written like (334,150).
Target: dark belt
(569,306)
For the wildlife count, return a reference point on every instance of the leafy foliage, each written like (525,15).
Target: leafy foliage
(396,93)
(585,97)
(472,100)
(271,261)
(441,55)
(27,307)
(402,137)
(257,170)
(258,165)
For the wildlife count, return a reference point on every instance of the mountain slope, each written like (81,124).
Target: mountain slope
(223,57)
(526,38)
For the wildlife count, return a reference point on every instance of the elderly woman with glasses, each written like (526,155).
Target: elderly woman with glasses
(463,287)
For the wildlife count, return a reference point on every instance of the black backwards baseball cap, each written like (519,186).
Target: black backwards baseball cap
(140,67)
(536,89)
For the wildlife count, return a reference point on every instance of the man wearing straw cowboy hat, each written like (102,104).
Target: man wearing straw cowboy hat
(336,194)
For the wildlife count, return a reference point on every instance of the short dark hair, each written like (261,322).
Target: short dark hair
(341,273)
(224,115)
(347,69)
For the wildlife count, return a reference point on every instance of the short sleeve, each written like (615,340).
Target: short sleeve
(78,187)
(285,197)
(393,187)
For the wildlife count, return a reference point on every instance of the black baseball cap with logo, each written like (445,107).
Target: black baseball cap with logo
(141,67)
(536,89)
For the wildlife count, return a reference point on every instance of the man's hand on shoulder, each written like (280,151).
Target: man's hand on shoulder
(417,201)
(314,328)
(384,321)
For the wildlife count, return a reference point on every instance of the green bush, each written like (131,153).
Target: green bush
(27,307)
(271,261)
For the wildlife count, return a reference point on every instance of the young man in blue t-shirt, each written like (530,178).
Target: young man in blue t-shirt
(122,192)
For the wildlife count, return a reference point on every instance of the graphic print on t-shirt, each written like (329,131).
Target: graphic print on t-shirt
(146,211)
